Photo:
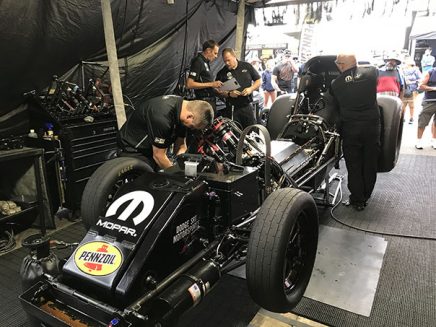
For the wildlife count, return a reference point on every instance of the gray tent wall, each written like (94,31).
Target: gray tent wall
(423,29)
(43,38)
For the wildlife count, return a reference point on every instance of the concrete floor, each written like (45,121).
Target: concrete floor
(410,133)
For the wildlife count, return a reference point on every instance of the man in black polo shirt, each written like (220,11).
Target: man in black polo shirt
(355,91)
(238,102)
(200,77)
(160,122)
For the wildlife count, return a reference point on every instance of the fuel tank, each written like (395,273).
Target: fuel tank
(154,211)
(289,156)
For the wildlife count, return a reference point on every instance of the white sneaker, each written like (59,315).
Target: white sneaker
(418,144)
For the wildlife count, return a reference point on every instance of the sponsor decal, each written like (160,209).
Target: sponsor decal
(348,78)
(136,199)
(229,75)
(112,226)
(244,70)
(195,293)
(98,258)
(186,228)
(158,140)
(192,74)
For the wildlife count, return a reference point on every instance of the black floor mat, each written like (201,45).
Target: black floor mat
(403,202)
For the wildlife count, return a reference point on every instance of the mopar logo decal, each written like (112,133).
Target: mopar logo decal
(119,228)
(136,198)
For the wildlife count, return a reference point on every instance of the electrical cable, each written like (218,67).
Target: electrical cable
(9,243)
(185,41)
(369,230)
(130,101)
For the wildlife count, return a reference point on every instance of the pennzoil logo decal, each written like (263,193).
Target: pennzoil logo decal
(98,258)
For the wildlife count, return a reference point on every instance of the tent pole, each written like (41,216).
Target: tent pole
(240,29)
(111,49)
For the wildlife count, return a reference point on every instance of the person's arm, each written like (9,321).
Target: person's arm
(225,94)
(180,145)
(274,83)
(294,66)
(423,83)
(194,79)
(252,88)
(274,77)
(402,81)
(161,158)
(191,84)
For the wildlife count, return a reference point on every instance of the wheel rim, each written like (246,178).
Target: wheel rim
(295,254)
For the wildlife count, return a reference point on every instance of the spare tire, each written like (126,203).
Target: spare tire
(279,114)
(391,118)
(104,183)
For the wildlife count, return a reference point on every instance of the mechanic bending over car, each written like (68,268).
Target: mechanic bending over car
(355,93)
(157,124)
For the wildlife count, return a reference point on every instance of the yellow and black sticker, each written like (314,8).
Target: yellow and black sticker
(98,258)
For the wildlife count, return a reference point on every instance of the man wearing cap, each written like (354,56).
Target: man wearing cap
(201,79)
(354,91)
(390,80)
(283,73)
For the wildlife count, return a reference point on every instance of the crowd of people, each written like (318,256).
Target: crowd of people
(402,78)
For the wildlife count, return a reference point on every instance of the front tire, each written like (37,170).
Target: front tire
(282,249)
(104,183)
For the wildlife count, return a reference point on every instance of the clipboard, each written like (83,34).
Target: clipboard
(230,85)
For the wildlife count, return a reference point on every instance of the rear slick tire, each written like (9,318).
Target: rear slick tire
(391,118)
(282,249)
(279,114)
(101,188)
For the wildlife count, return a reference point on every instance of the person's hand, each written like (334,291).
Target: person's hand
(216,84)
(234,93)
(247,91)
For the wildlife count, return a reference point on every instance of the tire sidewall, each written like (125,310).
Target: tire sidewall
(277,116)
(292,214)
(391,132)
(101,184)
(268,245)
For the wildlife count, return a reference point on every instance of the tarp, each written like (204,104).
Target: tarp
(424,28)
(155,41)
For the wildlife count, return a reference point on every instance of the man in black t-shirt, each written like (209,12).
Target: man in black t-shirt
(160,122)
(238,102)
(200,76)
(355,92)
